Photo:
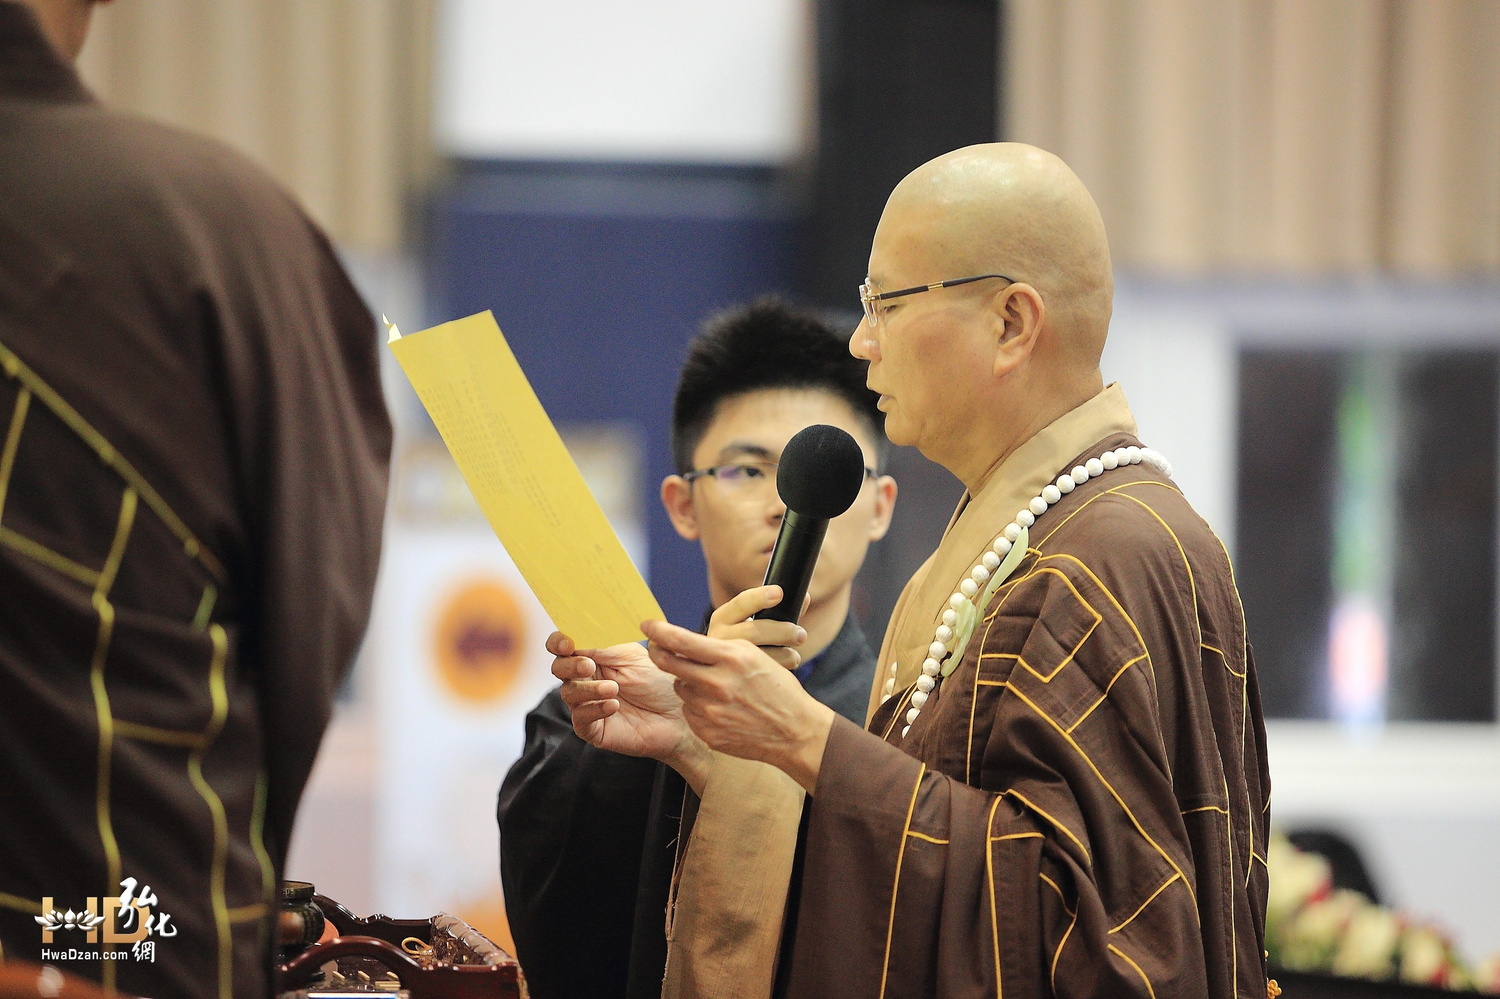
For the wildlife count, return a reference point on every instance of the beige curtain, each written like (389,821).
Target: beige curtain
(1312,137)
(331,96)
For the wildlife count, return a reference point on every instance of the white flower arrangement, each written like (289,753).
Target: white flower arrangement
(1311,926)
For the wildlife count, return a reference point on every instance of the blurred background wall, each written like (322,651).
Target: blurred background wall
(1303,198)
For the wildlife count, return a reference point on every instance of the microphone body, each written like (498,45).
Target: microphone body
(792,563)
(820,474)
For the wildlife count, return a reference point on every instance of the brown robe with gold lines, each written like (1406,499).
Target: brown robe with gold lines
(193,454)
(1080,808)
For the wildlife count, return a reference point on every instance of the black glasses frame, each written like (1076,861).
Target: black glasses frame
(869,297)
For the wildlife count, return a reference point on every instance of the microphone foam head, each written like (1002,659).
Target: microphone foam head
(821,472)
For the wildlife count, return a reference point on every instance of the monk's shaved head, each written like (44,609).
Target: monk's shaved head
(1018,210)
(967,372)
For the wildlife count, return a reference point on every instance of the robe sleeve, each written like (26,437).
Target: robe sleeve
(573,827)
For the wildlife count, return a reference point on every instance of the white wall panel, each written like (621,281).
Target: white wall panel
(674,80)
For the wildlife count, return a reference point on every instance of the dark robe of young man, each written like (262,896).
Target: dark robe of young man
(754,377)
(193,460)
(1072,801)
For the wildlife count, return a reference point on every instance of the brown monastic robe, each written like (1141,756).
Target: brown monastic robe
(193,455)
(1080,808)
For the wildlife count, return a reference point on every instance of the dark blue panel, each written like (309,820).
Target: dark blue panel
(599,276)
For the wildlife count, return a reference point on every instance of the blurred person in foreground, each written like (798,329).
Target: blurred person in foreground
(1062,787)
(192,482)
(588,837)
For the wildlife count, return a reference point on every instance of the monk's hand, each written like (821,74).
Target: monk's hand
(734,619)
(742,702)
(621,701)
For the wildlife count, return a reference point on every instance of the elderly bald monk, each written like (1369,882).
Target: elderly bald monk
(1062,788)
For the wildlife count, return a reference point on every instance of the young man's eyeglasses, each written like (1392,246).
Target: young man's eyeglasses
(747,479)
(870,298)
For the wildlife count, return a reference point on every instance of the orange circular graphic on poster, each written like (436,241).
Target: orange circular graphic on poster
(479,638)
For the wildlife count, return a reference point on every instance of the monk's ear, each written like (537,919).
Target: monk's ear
(677,498)
(1019,314)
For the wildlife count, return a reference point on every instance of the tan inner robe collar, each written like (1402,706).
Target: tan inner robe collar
(1007,488)
(725,919)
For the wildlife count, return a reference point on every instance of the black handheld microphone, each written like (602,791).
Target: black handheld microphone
(819,475)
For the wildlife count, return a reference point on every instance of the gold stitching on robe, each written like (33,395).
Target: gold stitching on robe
(216,809)
(1008,588)
(258,839)
(1209,648)
(1057,954)
(20,904)
(1024,835)
(205,607)
(896,715)
(51,559)
(1108,687)
(247,913)
(1174,878)
(18,369)
(117,549)
(159,736)
(1090,502)
(1187,565)
(1062,828)
(1116,794)
(1140,640)
(13,441)
(890,927)
(1047,678)
(104,760)
(930,839)
(1234,950)
(102,817)
(1149,990)
(1244,703)
(1205,808)
(1060,896)
(989,872)
(101,581)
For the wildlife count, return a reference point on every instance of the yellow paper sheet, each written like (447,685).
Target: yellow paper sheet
(526,483)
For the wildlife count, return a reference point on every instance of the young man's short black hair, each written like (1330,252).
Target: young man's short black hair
(765,345)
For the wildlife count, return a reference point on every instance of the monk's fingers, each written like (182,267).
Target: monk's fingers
(744,606)
(567,668)
(559,644)
(690,646)
(576,692)
(670,662)
(629,654)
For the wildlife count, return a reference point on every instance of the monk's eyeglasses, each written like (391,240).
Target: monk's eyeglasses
(871,299)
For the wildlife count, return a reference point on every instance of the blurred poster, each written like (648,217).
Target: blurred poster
(457,656)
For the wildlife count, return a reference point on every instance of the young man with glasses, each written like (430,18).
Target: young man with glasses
(755,378)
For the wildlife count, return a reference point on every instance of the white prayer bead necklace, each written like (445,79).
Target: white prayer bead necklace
(961,616)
